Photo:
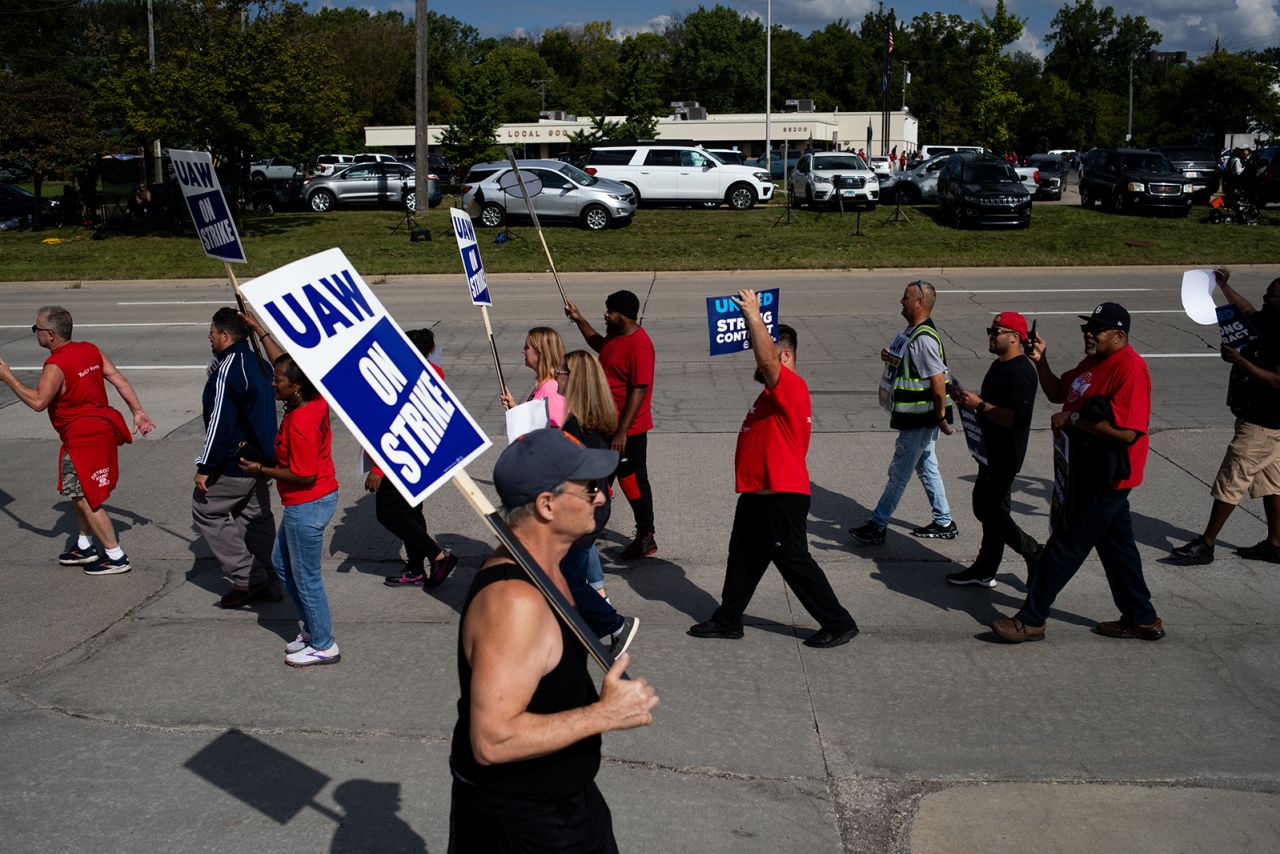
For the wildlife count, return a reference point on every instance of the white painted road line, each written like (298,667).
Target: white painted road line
(1036,291)
(1180,355)
(127,367)
(1089,311)
(118,325)
(180,302)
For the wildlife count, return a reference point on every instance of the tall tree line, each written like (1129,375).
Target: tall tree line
(270,77)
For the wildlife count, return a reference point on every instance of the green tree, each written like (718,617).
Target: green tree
(996,107)
(718,60)
(472,134)
(230,78)
(645,60)
(938,48)
(45,121)
(1221,93)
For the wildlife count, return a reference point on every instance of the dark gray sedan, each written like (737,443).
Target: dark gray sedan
(367,184)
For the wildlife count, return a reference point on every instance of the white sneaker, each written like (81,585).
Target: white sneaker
(301,642)
(308,656)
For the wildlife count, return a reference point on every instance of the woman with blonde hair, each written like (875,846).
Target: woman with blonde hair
(592,418)
(544,355)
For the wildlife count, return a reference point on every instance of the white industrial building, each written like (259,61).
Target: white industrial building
(745,132)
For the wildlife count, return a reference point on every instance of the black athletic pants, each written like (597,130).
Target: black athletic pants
(633,478)
(407,523)
(991,503)
(488,823)
(774,528)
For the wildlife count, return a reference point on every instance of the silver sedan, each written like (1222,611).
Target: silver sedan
(560,191)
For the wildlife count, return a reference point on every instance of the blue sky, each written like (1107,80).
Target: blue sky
(1190,25)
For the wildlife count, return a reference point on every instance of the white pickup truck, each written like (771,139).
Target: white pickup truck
(1030,177)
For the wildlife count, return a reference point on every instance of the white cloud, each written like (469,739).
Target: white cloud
(653,25)
(819,13)
(1194,26)
(1027,43)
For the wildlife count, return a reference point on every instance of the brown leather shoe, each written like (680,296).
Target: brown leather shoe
(1016,631)
(1150,631)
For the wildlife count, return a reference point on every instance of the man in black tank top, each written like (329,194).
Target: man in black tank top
(526,747)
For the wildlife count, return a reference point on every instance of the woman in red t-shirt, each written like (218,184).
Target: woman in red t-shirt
(308,486)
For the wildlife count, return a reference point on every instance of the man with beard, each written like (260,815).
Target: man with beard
(1004,411)
(1105,417)
(773,495)
(231,508)
(1252,461)
(627,356)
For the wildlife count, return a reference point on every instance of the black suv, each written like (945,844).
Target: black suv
(1052,175)
(1131,179)
(982,189)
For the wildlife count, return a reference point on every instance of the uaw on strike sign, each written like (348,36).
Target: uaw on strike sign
(214,225)
(342,338)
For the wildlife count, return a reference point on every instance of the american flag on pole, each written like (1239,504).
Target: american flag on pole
(890,41)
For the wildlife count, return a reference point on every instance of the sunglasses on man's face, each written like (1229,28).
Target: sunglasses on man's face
(37,328)
(590,490)
(1096,329)
(993,332)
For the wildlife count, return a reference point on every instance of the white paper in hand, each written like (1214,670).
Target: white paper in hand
(526,418)
(1197,296)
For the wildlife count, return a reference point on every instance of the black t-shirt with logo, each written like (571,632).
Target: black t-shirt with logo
(1011,385)
(1247,398)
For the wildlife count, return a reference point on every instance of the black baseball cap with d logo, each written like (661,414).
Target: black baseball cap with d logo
(1109,314)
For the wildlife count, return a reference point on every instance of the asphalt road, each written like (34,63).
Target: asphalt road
(136,715)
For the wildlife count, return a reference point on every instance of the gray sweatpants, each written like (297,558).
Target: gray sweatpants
(235,519)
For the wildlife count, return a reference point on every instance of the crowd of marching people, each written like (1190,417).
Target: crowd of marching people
(526,746)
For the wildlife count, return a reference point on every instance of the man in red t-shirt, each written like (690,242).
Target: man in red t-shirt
(72,388)
(773,495)
(627,356)
(1104,419)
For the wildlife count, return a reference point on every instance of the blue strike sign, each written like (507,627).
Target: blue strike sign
(472,266)
(404,416)
(214,225)
(727,329)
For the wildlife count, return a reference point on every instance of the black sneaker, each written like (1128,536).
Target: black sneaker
(109,566)
(934,531)
(618,642)
(408,577)
(869,534)
(973,575)
(440,570)
(78,557)
(1261,551)
(712,629)
(641,547)
(1195,553)
(827,638)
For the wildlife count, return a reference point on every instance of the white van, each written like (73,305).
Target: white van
(927,151)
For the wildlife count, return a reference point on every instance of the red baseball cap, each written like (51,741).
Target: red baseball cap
(1012,320)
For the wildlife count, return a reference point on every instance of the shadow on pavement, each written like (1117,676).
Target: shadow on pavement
(280,787)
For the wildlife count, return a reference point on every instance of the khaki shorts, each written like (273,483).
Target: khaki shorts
(1252,464)
(71,487)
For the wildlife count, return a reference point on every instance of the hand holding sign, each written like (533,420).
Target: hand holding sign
(727,326)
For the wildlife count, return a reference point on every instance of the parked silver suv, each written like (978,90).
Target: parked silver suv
(679,174)
(366,183)
(567,193)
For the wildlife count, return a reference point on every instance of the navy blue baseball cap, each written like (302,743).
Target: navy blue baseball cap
(541,460)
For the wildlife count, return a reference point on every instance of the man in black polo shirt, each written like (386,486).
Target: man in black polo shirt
(1004,414)
(1252,461)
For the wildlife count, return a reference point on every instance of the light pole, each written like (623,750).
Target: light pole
(768,85)
(1128,137)
(157,174)
(421,132)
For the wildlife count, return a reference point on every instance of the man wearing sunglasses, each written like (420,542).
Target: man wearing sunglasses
(1105,417)
(770,523)
(72,388)
(913,390)
(526,747)
(1004,411)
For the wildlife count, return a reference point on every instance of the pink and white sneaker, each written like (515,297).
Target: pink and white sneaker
(309,655)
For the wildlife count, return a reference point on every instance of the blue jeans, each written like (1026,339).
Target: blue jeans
(597,613)
(913,451)
(296,558)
